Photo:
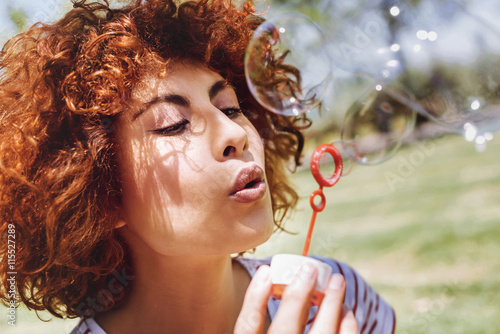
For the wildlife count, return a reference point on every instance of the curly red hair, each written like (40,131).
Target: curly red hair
(61,87)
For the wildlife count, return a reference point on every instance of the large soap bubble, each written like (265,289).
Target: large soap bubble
(375,126)
(287,65)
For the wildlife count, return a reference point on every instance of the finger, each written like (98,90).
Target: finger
(251,319)
(293,312)
(329,314)
(349,324)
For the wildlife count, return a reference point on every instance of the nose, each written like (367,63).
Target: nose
(230,139)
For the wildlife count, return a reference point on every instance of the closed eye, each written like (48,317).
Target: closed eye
(232,112)
(172,130)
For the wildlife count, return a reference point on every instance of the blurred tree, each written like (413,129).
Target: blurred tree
(18,17)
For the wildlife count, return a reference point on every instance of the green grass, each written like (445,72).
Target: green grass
(429,244)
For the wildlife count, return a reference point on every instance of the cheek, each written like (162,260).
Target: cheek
(149,179)
(162,182)
(254,138)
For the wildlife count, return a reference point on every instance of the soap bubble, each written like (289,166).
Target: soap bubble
(361,44)
(287,66)
(445,53)
(376,124)
(452,67)
(348,153)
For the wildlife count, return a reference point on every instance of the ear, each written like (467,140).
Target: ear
(120,223)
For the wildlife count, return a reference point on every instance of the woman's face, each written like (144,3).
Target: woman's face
(192,167)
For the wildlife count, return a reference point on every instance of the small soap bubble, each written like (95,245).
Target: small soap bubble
(376,124)
(348,153)
(287,66)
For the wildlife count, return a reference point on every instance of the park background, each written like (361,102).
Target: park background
(422,227)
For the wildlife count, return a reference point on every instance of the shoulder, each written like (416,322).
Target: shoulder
(251,264)
(374,314)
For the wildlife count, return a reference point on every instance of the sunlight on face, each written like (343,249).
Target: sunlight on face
(192,167)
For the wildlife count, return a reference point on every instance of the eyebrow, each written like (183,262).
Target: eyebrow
(217,87)
(179,99)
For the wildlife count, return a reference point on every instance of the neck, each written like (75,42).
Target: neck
(195,294)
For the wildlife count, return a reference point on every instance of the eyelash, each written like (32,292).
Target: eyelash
(232,112)
(180,127)
(173,130)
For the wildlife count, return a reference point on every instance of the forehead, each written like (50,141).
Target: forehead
(179,78)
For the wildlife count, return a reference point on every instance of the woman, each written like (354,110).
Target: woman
(134,161)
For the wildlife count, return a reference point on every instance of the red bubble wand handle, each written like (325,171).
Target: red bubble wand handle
(323,182)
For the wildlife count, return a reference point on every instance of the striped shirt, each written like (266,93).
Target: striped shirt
(373,314)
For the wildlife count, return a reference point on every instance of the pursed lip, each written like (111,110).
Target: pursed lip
(249,185)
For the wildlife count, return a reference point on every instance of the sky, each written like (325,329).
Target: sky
(36,10)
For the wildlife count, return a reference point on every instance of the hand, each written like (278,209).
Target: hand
(333,317)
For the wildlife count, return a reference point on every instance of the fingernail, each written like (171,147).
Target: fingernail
(307,272)
(262,273)
(262,278)
(336,282)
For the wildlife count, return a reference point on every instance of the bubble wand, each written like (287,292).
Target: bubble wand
(322,182)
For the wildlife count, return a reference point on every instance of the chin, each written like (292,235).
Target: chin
(256,239)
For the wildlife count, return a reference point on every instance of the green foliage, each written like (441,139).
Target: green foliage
(19,17)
